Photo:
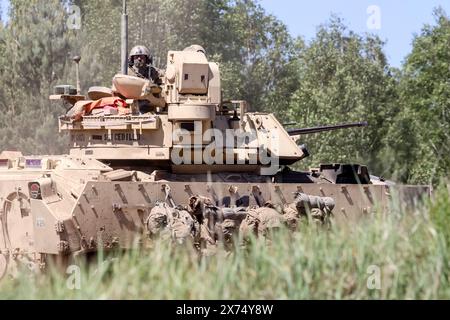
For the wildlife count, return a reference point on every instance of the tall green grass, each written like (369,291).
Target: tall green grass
(409,248)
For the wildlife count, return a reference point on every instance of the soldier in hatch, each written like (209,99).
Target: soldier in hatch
(140,65)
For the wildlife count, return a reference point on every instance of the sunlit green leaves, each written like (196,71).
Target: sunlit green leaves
(344,77)
(419,139)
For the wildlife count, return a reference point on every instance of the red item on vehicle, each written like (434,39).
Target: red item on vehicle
(105,102)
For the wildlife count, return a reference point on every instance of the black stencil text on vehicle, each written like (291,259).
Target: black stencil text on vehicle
(123,137)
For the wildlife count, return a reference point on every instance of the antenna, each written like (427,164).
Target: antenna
(124,39)
(77,59)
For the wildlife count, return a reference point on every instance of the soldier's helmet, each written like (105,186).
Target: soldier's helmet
(139,51)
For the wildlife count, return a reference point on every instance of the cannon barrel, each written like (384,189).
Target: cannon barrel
(294,132)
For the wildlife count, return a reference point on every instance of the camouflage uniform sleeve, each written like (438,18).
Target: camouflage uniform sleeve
(131,72)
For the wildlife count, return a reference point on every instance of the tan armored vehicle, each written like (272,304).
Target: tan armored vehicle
(145,159)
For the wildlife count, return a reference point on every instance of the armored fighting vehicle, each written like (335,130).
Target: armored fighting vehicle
(145,158)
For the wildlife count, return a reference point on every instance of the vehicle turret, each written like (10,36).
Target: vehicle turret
(185,127)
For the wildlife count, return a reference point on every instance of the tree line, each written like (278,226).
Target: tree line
(338,76)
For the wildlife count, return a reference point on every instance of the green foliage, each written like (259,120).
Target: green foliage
(35,45)
(258,56)
(418,141)
(440,213)
(164,25)
(344,77)
(36,48)
(406,246)
(98,41)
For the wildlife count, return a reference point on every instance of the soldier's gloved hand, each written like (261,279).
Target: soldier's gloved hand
(150,88)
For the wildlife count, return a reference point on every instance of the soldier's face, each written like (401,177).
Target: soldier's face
(139,61)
